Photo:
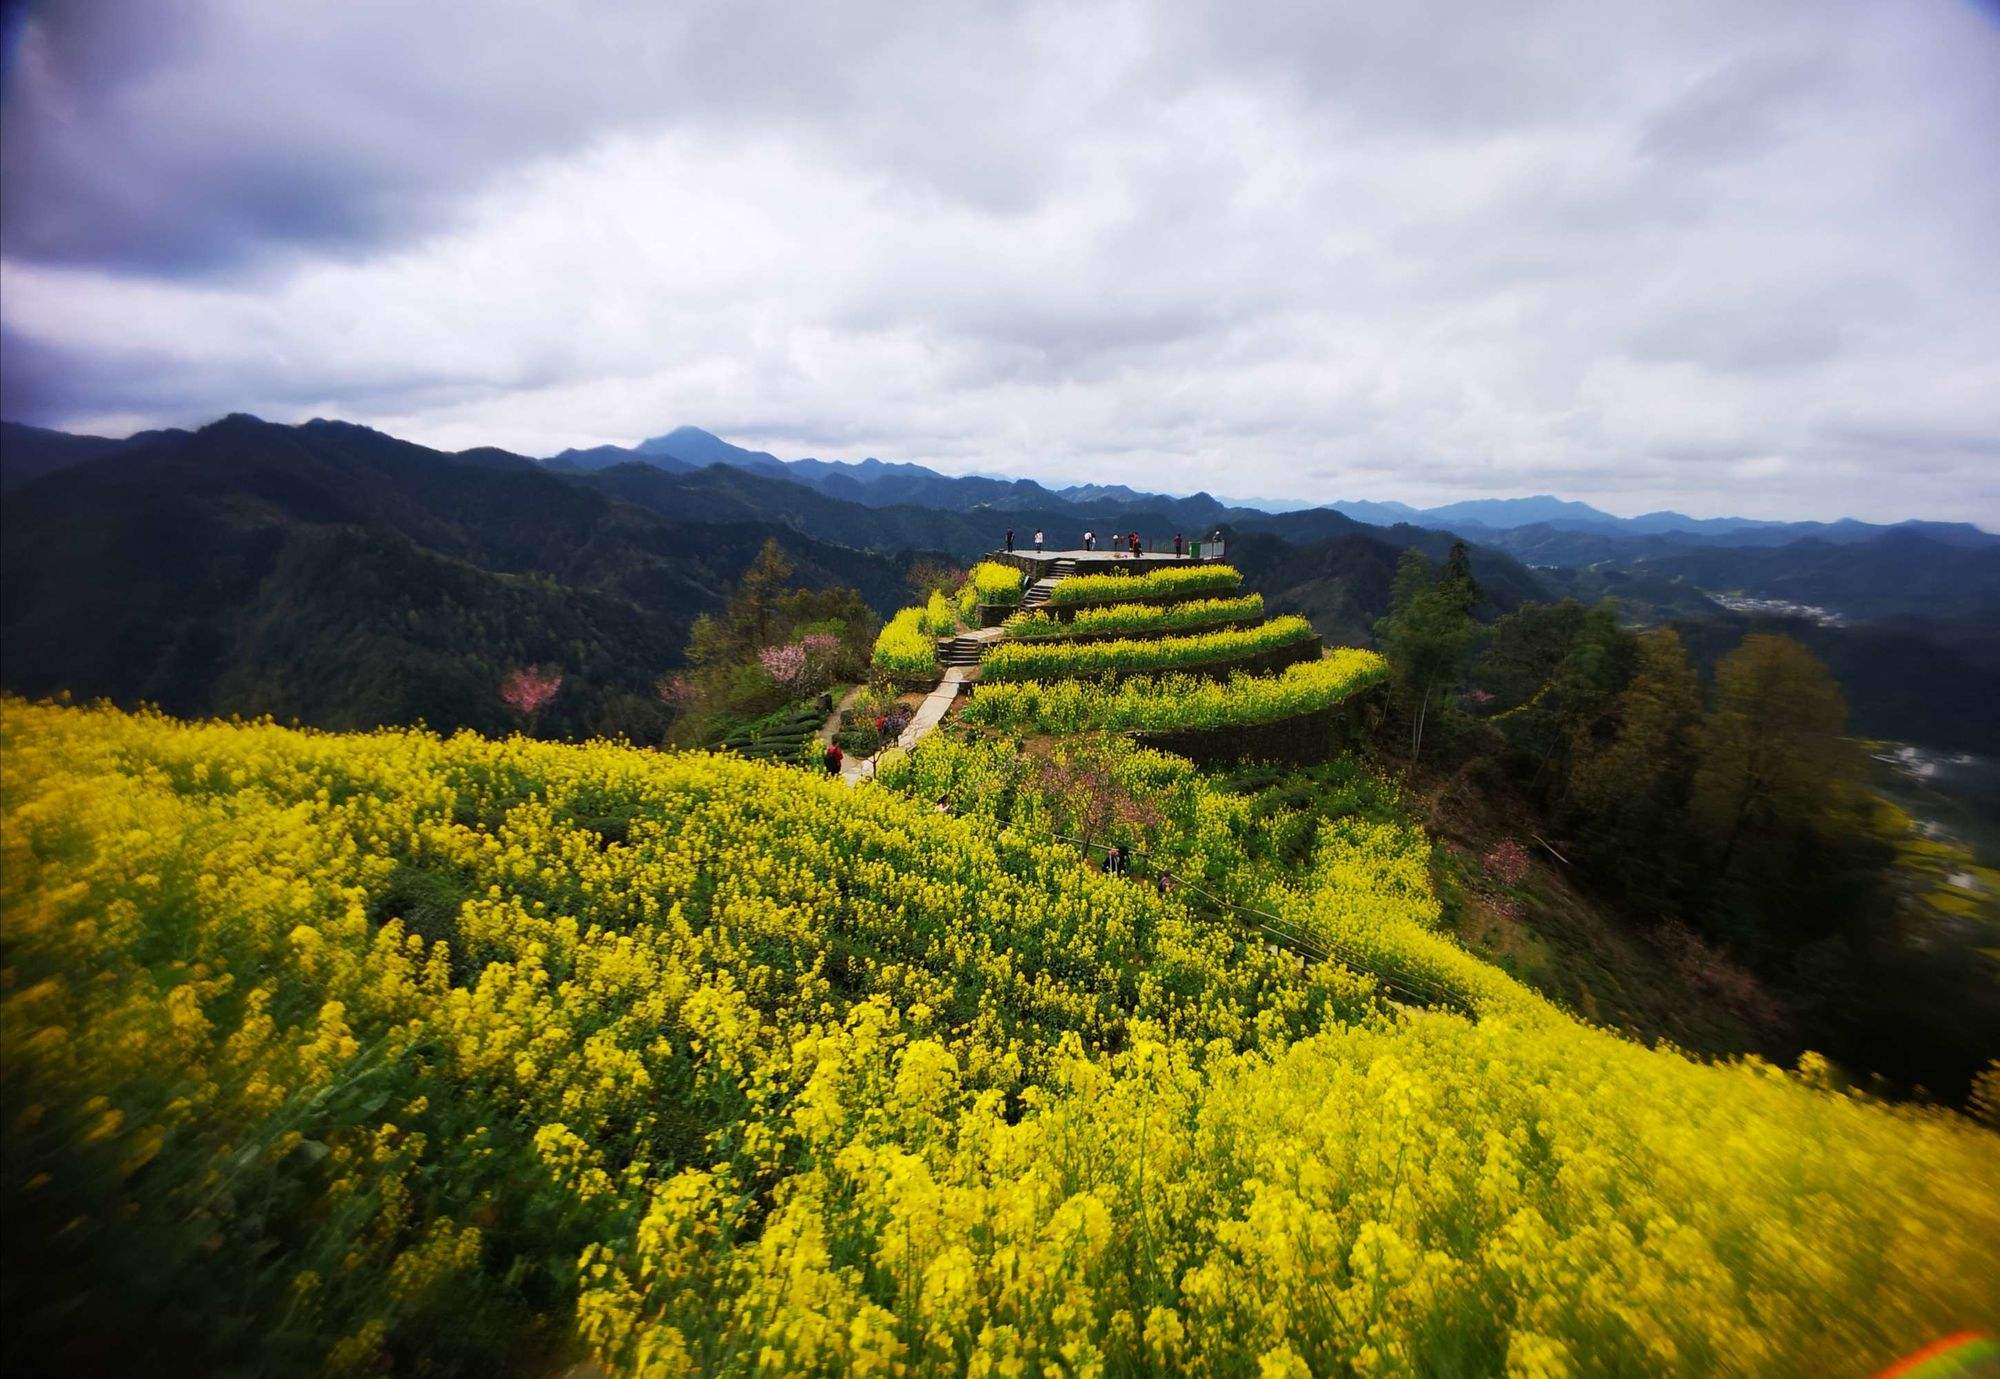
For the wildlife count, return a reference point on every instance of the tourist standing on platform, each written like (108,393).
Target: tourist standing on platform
(1177,545)
(1090,541)
(1010,540)
(1135,543)
(1038,543)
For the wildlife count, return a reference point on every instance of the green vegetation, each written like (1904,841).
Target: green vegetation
(334,575)
(770,646)
(1427,633)
(786,735)
(1738,811)
(1061,659)
(1176,702)
(1161,586)
(1137,619)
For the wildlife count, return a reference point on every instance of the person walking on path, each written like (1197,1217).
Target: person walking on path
(1038,542)
(1010,540)
(1114,861)
(833,758)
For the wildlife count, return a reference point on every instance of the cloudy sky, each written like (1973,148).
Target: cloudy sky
(1726,257)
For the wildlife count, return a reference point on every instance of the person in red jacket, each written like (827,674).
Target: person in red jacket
(832,758)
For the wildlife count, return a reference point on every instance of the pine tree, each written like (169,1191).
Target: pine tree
(1457,583)
(1631,796)
(1425,638)
(752,610)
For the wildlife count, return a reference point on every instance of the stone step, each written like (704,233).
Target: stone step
(960,651)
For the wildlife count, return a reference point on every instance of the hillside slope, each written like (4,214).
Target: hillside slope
(340,576)
(481,1056)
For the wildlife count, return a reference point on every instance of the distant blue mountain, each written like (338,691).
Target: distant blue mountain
(1554,524)
(1518,512)
(1376,514)
(697,449)
(1540,527)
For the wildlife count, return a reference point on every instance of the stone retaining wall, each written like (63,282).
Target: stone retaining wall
(1247,620)
(1068,612)
(1301,740)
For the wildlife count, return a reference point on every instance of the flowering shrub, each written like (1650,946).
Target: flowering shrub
(786,665)
(1048,660)
(993,582)
(527,691)
(940,615)
(904,649)
(807,663)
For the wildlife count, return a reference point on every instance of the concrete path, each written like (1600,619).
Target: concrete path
(936,705)
(833,722)
(930,713)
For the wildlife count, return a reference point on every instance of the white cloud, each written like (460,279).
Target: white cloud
(1711,257)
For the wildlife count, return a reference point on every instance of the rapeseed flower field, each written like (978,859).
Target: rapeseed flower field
(1172,584)
(1171,703)
(1055,659)
(1137,619)
(383,1053)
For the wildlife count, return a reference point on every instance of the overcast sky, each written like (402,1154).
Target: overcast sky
(1725,257)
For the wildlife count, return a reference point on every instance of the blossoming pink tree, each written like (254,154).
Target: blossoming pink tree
(821,649)
(786,665)
(805,664)
(528,690)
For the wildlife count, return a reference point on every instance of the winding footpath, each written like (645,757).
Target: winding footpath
(936,704)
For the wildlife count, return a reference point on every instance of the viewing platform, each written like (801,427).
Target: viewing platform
(1043,563)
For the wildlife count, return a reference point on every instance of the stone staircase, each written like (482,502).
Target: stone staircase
(959,651)
(1039,590)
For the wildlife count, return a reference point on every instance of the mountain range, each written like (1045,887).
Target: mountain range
(341,576)
(879,483)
